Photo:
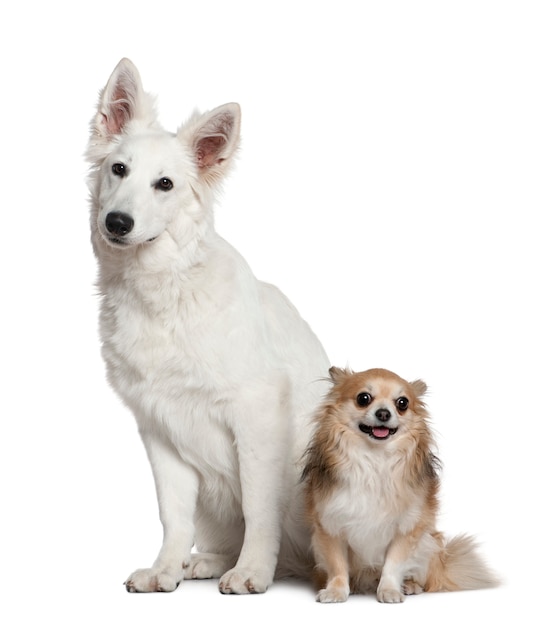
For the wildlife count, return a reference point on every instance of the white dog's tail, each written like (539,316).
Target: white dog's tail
(458,566)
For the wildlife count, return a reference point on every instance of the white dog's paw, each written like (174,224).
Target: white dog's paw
(389,595)
(149,580)
(240,580)
(206,565)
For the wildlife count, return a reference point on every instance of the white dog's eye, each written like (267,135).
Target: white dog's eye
(402,404)
(164,184)
(364,399)
(119,169)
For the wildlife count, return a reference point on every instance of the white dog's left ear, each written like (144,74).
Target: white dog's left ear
(213,137)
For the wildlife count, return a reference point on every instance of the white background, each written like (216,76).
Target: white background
(396,180)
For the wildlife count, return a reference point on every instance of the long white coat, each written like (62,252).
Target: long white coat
(218,368)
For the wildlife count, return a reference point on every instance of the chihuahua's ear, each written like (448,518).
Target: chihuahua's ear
(338,374)
(419,387)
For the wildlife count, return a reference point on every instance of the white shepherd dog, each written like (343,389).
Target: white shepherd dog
(219,369)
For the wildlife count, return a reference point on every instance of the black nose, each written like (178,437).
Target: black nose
(383,415)
(119,223)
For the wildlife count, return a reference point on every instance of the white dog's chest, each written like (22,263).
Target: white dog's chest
(166,378)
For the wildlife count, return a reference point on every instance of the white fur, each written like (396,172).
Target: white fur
(218,368)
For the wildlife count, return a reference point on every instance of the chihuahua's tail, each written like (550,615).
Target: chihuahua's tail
(458,566)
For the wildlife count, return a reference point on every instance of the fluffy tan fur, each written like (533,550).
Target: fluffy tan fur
(371,480)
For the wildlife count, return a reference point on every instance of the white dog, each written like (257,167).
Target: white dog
(218,368)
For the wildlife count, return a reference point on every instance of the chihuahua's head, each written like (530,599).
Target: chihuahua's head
(377,403)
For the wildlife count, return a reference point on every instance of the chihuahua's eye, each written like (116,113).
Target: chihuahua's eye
(363,399)
(402,404)
(164,184)
(119,169)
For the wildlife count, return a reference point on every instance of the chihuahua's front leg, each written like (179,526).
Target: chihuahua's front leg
(407,553)
(331,555)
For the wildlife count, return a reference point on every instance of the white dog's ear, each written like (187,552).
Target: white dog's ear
(213,138)
(121,102)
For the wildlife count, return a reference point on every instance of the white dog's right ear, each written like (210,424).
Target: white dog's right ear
(122,102)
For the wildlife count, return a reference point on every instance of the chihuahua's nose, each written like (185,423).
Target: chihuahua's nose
(383,415)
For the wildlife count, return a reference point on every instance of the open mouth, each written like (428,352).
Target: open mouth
(377,432)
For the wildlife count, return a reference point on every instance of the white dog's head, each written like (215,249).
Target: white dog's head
(145,181)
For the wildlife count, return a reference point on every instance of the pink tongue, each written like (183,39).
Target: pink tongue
(380,432)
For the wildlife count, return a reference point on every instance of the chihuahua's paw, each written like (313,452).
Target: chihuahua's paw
(150,580)
(389,595)
(328,596)
(241,581)
(337,590)
(411,587)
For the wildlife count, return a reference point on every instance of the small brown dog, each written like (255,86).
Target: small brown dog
(371,491)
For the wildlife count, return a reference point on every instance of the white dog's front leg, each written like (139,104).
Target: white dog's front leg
(176,486)
(263,452)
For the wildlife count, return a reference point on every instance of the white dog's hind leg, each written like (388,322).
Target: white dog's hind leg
(176,486)
(207,565)
(262,440)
